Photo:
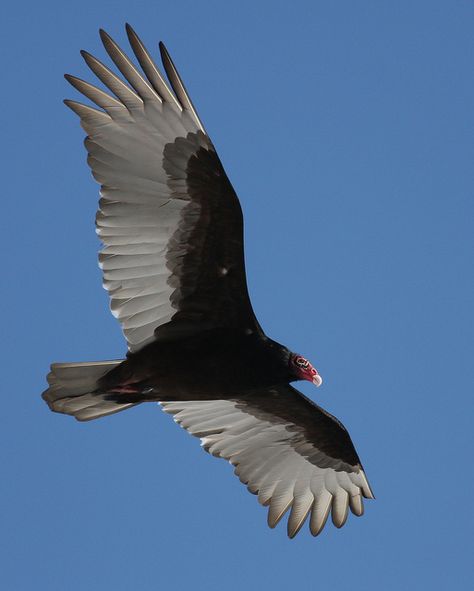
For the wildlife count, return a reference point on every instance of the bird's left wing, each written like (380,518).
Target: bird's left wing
(286,449)
(168,216)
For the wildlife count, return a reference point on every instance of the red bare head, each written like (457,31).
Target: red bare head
(303,369)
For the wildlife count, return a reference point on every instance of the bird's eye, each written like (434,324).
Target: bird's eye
(302,362)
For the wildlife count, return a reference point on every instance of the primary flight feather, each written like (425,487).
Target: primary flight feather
(173,264)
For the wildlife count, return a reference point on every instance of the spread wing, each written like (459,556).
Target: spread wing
(169,219)
(286,449)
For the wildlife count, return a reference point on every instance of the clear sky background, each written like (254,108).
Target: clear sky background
(347,130)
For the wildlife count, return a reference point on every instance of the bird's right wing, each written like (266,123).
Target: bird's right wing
(286,449)
(170,221)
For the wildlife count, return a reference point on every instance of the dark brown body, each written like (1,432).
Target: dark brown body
(216,363)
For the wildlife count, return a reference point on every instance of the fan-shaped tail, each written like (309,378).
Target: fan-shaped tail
(73,390)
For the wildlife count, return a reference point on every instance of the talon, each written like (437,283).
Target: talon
(129,389)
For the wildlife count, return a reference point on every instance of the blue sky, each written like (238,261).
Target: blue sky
(346,129)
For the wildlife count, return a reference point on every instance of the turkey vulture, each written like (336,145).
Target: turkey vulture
(173,264)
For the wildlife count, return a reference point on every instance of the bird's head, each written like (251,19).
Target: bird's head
(303,370)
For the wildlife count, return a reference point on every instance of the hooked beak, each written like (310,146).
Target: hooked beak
(317,380)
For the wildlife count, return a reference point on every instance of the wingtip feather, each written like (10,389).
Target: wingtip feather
(150,68)
(178,85)
(105,37)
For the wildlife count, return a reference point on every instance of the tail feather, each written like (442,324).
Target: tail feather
(73,390)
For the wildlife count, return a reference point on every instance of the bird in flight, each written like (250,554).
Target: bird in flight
(173,264)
